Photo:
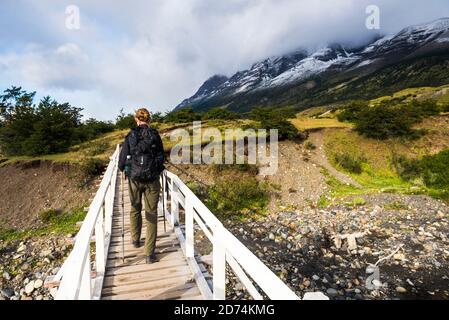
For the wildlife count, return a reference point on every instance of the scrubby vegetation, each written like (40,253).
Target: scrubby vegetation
(237,197)
(270,119)
(392,119)
(53,221)
(433,170)
(349,162)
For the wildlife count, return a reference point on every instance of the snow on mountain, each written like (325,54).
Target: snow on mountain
(300,65)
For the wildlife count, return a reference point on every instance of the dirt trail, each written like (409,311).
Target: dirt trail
(318,156)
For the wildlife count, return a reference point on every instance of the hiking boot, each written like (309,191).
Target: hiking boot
(136,244)
(151,259)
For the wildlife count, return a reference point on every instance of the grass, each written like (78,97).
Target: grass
(305,123)
(100,148)
(441,94)
(396,206)
(58,223)
(377,172)
(338,191)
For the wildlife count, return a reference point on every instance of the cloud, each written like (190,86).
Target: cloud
(158,52)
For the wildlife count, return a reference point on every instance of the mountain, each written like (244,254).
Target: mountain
(416,56)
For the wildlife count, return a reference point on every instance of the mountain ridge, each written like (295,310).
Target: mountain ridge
(293,78)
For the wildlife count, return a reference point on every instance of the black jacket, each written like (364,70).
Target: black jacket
(126,149)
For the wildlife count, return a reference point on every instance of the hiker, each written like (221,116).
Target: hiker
(142,160)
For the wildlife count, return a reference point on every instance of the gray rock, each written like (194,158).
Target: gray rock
(315,277)
(7,292)
(377,283)
(332,292)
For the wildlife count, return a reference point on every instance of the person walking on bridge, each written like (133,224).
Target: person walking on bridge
(142,160)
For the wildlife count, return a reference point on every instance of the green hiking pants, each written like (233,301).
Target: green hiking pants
(150,193)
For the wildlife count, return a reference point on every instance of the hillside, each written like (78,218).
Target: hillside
(416,56)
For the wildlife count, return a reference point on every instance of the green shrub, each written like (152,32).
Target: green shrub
(436,170)
(49,215)
(182,116)
(271,119)
(95,148)
(309,145)
(351,112)
(236,197)
(220,114)
(93,167)
(407,169)
(125,121)
(349,163)
(384,122)
(433,170)
(394,118)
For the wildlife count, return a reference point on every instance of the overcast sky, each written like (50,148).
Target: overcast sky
(155,53)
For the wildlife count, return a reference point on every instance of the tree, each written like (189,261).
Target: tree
(220,114)
(125,121)
(271,119)
(182,116)
(28,129)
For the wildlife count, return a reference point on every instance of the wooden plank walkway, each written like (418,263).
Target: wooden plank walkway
(169,279)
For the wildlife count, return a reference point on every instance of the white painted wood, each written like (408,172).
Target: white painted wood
(75,273)
(76,276)
(198,275)
(85,291)
(189,229)
(100,255)
(228,249)
(219,264)
(243,278)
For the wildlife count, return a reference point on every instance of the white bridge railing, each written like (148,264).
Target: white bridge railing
(78,281)
(226,247)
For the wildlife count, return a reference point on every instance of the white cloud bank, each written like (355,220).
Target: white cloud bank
(156,53)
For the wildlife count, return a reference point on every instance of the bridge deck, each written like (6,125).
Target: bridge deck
(169,279)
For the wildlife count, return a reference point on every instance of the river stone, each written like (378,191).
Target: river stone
(53,292)
(38,283)
(332,292)
(7,292)
(401,290)
(29,288)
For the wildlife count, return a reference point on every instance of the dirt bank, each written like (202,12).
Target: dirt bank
(26,189)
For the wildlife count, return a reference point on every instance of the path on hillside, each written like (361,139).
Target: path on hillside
(318,156)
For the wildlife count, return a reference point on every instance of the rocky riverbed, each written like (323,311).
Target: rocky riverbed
(26,265)
(367,252)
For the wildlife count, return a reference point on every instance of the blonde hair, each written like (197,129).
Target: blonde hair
(143,115)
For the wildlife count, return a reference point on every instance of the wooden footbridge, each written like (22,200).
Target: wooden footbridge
(95,268)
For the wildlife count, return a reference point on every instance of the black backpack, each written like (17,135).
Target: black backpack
(147,154)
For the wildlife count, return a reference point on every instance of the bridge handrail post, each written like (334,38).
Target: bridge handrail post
(100,257)
(189,223)
(219,264)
